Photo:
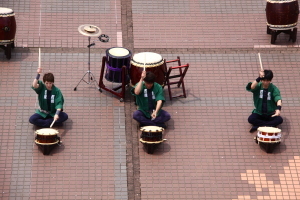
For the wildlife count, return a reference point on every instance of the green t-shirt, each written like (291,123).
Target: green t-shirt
(57,99)
(142,98)
(273,97)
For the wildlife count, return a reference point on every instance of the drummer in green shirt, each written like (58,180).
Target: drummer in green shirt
(267,101)
(51,102)
(150,99)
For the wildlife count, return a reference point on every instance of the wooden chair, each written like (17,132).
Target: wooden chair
(182,72)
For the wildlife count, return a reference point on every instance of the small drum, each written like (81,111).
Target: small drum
(117,57)
(282,14)
(151,134)
(268,135)
(7,26)
(46,136)
(152,62)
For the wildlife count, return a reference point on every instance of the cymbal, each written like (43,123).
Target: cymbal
(89,30)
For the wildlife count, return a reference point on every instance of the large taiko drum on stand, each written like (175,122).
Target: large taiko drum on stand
(7,30)
(152,62)
(117,57)
(151,136)
(282,16)
(46,139)
(268,138)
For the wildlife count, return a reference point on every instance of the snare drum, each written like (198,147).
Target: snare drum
(7,26)
(152,62)
(46,136)
(151,134)
(117,57)
(268,135)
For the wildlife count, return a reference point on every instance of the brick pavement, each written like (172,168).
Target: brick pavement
(209,153)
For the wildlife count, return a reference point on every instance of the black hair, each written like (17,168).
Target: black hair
(150,77)
(268,75)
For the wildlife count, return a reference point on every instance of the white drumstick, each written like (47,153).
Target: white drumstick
(52,123)
(145,63)
(39,57)
(261,67)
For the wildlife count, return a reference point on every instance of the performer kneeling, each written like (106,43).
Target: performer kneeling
(267,101)
(51,102)
(150,99)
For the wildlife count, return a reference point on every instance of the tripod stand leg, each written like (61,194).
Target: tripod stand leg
(94,80)
(91,79)
(82,79)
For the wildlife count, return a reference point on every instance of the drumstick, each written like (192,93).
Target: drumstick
(145,62)
(52,123)
(261,67)
(39,57)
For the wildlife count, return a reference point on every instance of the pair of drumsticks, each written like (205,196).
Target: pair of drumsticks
(40,67)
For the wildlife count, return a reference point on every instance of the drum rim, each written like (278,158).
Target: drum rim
(280,1)
(149,64)
(10,13)
(113,56)
(143,128)
(152,142)
(37,142)
(54,130)
(274,130)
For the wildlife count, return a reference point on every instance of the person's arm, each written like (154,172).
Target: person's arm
(56,116)
(138,88)
(36,80)
(158,107)
(254,83)
(278,110)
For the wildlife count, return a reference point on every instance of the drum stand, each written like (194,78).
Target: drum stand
(113,90)
(91,77)
(7,49)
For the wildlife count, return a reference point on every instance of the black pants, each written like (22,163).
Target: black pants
(264,120)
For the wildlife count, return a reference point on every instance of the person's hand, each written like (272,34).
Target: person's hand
(277,113)
(262,74)
(56,117)
(143,75)
(153,115)
(39,70)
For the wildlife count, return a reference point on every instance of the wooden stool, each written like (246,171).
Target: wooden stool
(182,71)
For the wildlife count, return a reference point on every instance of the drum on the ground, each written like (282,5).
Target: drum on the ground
(268,135)
(152,62)
(46,136)
(117,57)
(151,134)
(7,26)
(282,14)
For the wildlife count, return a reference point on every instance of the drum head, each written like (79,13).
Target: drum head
(149,59)
(152,129)
(47,131)
(5,11)
(118,52)
(269,129)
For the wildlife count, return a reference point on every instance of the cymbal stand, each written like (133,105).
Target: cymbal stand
(91,77)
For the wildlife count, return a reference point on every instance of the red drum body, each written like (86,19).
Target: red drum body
(7,26)
(282,14)
(117,57)
(46,139)
(151,137)
(268,138)
(151,62)
(46,136)
(268,134)
(151,134)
